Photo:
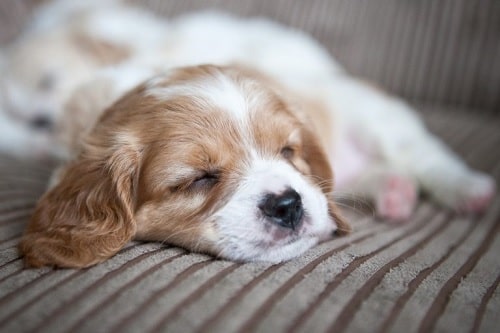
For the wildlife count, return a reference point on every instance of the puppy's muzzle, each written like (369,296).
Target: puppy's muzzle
(284,209)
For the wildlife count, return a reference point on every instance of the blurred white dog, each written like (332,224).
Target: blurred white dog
(63,46)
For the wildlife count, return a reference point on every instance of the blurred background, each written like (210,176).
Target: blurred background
(430,52)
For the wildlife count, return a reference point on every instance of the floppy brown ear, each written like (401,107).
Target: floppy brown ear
(321,170)
(89,215)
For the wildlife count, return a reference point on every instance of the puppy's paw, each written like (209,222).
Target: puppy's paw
(473,194)
(396,199)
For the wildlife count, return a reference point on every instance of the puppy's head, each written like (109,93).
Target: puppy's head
(203,157)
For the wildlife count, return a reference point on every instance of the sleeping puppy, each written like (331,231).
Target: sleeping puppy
(213,159)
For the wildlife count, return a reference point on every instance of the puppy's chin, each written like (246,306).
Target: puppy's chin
(269,250)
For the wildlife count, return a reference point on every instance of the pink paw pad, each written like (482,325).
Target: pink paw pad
(477,196)
(396,199)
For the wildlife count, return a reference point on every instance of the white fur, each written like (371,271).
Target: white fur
(125,77)
(218,38)
(51,14)
(217,91)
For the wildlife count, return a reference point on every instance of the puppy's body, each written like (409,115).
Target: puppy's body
(202,157)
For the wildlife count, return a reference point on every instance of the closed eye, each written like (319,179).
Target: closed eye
(205,181)
(287,152)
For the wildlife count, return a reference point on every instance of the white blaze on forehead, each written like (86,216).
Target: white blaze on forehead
(216,90)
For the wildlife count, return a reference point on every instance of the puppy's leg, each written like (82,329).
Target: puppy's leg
(393,192)
(446,177)
(359,173)
(391,129)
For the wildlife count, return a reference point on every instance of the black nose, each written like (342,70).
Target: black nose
(284,209)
